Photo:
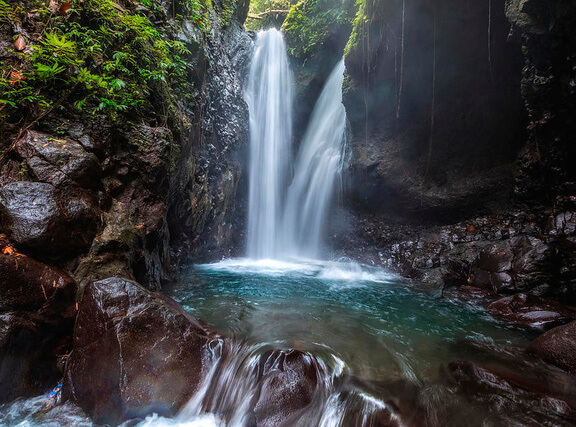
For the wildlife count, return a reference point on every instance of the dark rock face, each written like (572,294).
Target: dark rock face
(36,318)
(546,31)
(433,98)
(131,193)
(134,353)
(288,381)
(47,221)
(204,216)
(29,285)
(557,347)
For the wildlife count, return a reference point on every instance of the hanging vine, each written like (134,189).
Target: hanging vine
(401,61)
(490,39)
(433,102)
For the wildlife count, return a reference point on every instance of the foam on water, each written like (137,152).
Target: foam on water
(206,420)
(343,273)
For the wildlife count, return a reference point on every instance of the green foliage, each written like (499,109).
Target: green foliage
(6,12)
(267,21)
(358,24)
(104,58)
(310,22)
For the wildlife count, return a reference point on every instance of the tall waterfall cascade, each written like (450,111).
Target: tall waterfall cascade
(286,216)
(269,99)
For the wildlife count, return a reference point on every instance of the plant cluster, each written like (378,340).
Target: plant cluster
(259,18)
(310,22)
(95,54)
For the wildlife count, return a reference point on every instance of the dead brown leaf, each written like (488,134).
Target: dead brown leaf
(16,77)
(20,42)
(64,7)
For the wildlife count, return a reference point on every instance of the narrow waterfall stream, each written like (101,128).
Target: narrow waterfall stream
(318,166)
(269,99)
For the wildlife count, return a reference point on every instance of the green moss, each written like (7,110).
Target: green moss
(368,12)
(228,8)
(232,8)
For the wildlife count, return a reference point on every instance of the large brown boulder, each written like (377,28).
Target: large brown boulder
(37,313)
(557,347)
(134,353)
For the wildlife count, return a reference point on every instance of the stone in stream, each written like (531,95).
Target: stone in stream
(557,347)
(36,318)
(135,352)
(531,311)
(288,380)
(46,221)
(519,390)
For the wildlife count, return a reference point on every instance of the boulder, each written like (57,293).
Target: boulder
(516,395)
(37,313)
(29,285)
(514,264)
(43,220)
(288,381)
(134,353)
(58,161)
(557,347)
(531,311)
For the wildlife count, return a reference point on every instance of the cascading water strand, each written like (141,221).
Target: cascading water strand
(288,221)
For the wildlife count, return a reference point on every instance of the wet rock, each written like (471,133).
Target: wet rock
(515,395)
(39,218)
(288,380)
(531,311)
(514,264)
(28,355)
(36,318)
(58,161)
(134,353)
(29,285)
(557,347)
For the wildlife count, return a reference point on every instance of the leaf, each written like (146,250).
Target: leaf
(8,250)
(118,84)
(16,77)
(64,7)
(20,42)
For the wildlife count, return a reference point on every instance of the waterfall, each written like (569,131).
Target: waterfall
(269,99)
(288,221)
(318,166)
